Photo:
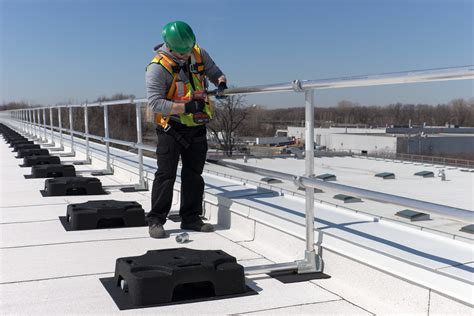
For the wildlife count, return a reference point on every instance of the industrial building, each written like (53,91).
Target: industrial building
(444,142)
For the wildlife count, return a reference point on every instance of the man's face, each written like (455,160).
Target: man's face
(181,56)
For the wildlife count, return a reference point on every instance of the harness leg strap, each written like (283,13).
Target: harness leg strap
(180,139)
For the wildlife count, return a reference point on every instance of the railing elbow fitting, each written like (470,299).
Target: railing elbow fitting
(297,87)
(298,182)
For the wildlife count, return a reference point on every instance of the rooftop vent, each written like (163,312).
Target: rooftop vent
(326,177)
(386,175)
(347,198)
(468,229)
(270,180)
(413,216)
(425,174)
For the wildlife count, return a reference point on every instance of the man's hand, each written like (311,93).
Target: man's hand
(220,89)
(194,106)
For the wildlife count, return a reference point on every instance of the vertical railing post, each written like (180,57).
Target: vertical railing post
(60,123)
(27,114)
(86,131)
(41,140)
(27,122)
(32,124)
(108,168)
(71,129)
(309,167)
(35,125)
(22,118)
(44,124)
(38,123)
(38,116)
(141,182)
(18,114)
(312,262)
(51,124)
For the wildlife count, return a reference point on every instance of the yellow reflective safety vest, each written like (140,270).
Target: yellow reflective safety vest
(181,91)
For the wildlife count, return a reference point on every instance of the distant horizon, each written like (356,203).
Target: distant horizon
(469,101)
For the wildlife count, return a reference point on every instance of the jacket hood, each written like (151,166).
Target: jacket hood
(164,49)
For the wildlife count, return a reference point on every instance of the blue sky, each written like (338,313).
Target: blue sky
(62,50)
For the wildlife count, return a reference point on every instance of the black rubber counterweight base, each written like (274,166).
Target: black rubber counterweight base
(159,275)
(22,153)
(51,171)
(72,186)
(103,214)
(22,146)
(186,296)
(30,161)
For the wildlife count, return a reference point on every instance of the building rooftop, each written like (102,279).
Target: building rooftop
(377,264)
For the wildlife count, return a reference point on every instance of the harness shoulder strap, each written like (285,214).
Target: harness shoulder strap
(174,70)
(198,58)
(170,66)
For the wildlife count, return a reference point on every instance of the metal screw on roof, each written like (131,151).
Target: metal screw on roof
(182,238)
(442,174)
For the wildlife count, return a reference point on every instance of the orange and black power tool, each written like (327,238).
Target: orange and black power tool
(201,117)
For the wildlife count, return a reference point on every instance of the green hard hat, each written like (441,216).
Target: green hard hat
(179,36)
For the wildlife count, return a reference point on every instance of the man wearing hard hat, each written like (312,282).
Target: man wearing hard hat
(176,82)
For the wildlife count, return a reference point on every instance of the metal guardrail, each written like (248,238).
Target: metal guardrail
(445,161)
(311,182)
(439,74)
(312,262)
(32,123)
(284,191)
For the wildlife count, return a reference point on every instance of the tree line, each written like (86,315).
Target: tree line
(264,122)
(234,117)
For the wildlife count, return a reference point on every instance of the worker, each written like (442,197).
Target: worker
(176,83)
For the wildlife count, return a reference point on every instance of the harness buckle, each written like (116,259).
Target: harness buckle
(167,128)
(194,68)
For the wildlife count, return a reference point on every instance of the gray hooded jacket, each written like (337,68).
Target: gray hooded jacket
(159,80)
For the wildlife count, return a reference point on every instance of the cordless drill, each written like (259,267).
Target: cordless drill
(200,117)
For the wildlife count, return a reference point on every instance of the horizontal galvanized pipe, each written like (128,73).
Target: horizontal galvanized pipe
(119,142)
(146,147)
(269,268)
(457,73)
(427,75)
(99,138)
(443,210)
(112,140)
(261,171)
(441,74)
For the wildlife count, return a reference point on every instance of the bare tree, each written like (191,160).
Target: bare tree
(461,110)
(229,114)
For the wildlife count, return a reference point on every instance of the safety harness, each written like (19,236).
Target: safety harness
(181,91)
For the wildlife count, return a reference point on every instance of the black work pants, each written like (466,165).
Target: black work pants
(168,151)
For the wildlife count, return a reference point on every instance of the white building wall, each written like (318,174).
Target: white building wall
(298,132)
(359,143)
(355,139)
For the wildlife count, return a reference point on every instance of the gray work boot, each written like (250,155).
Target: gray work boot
(198,226)
(157,231)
